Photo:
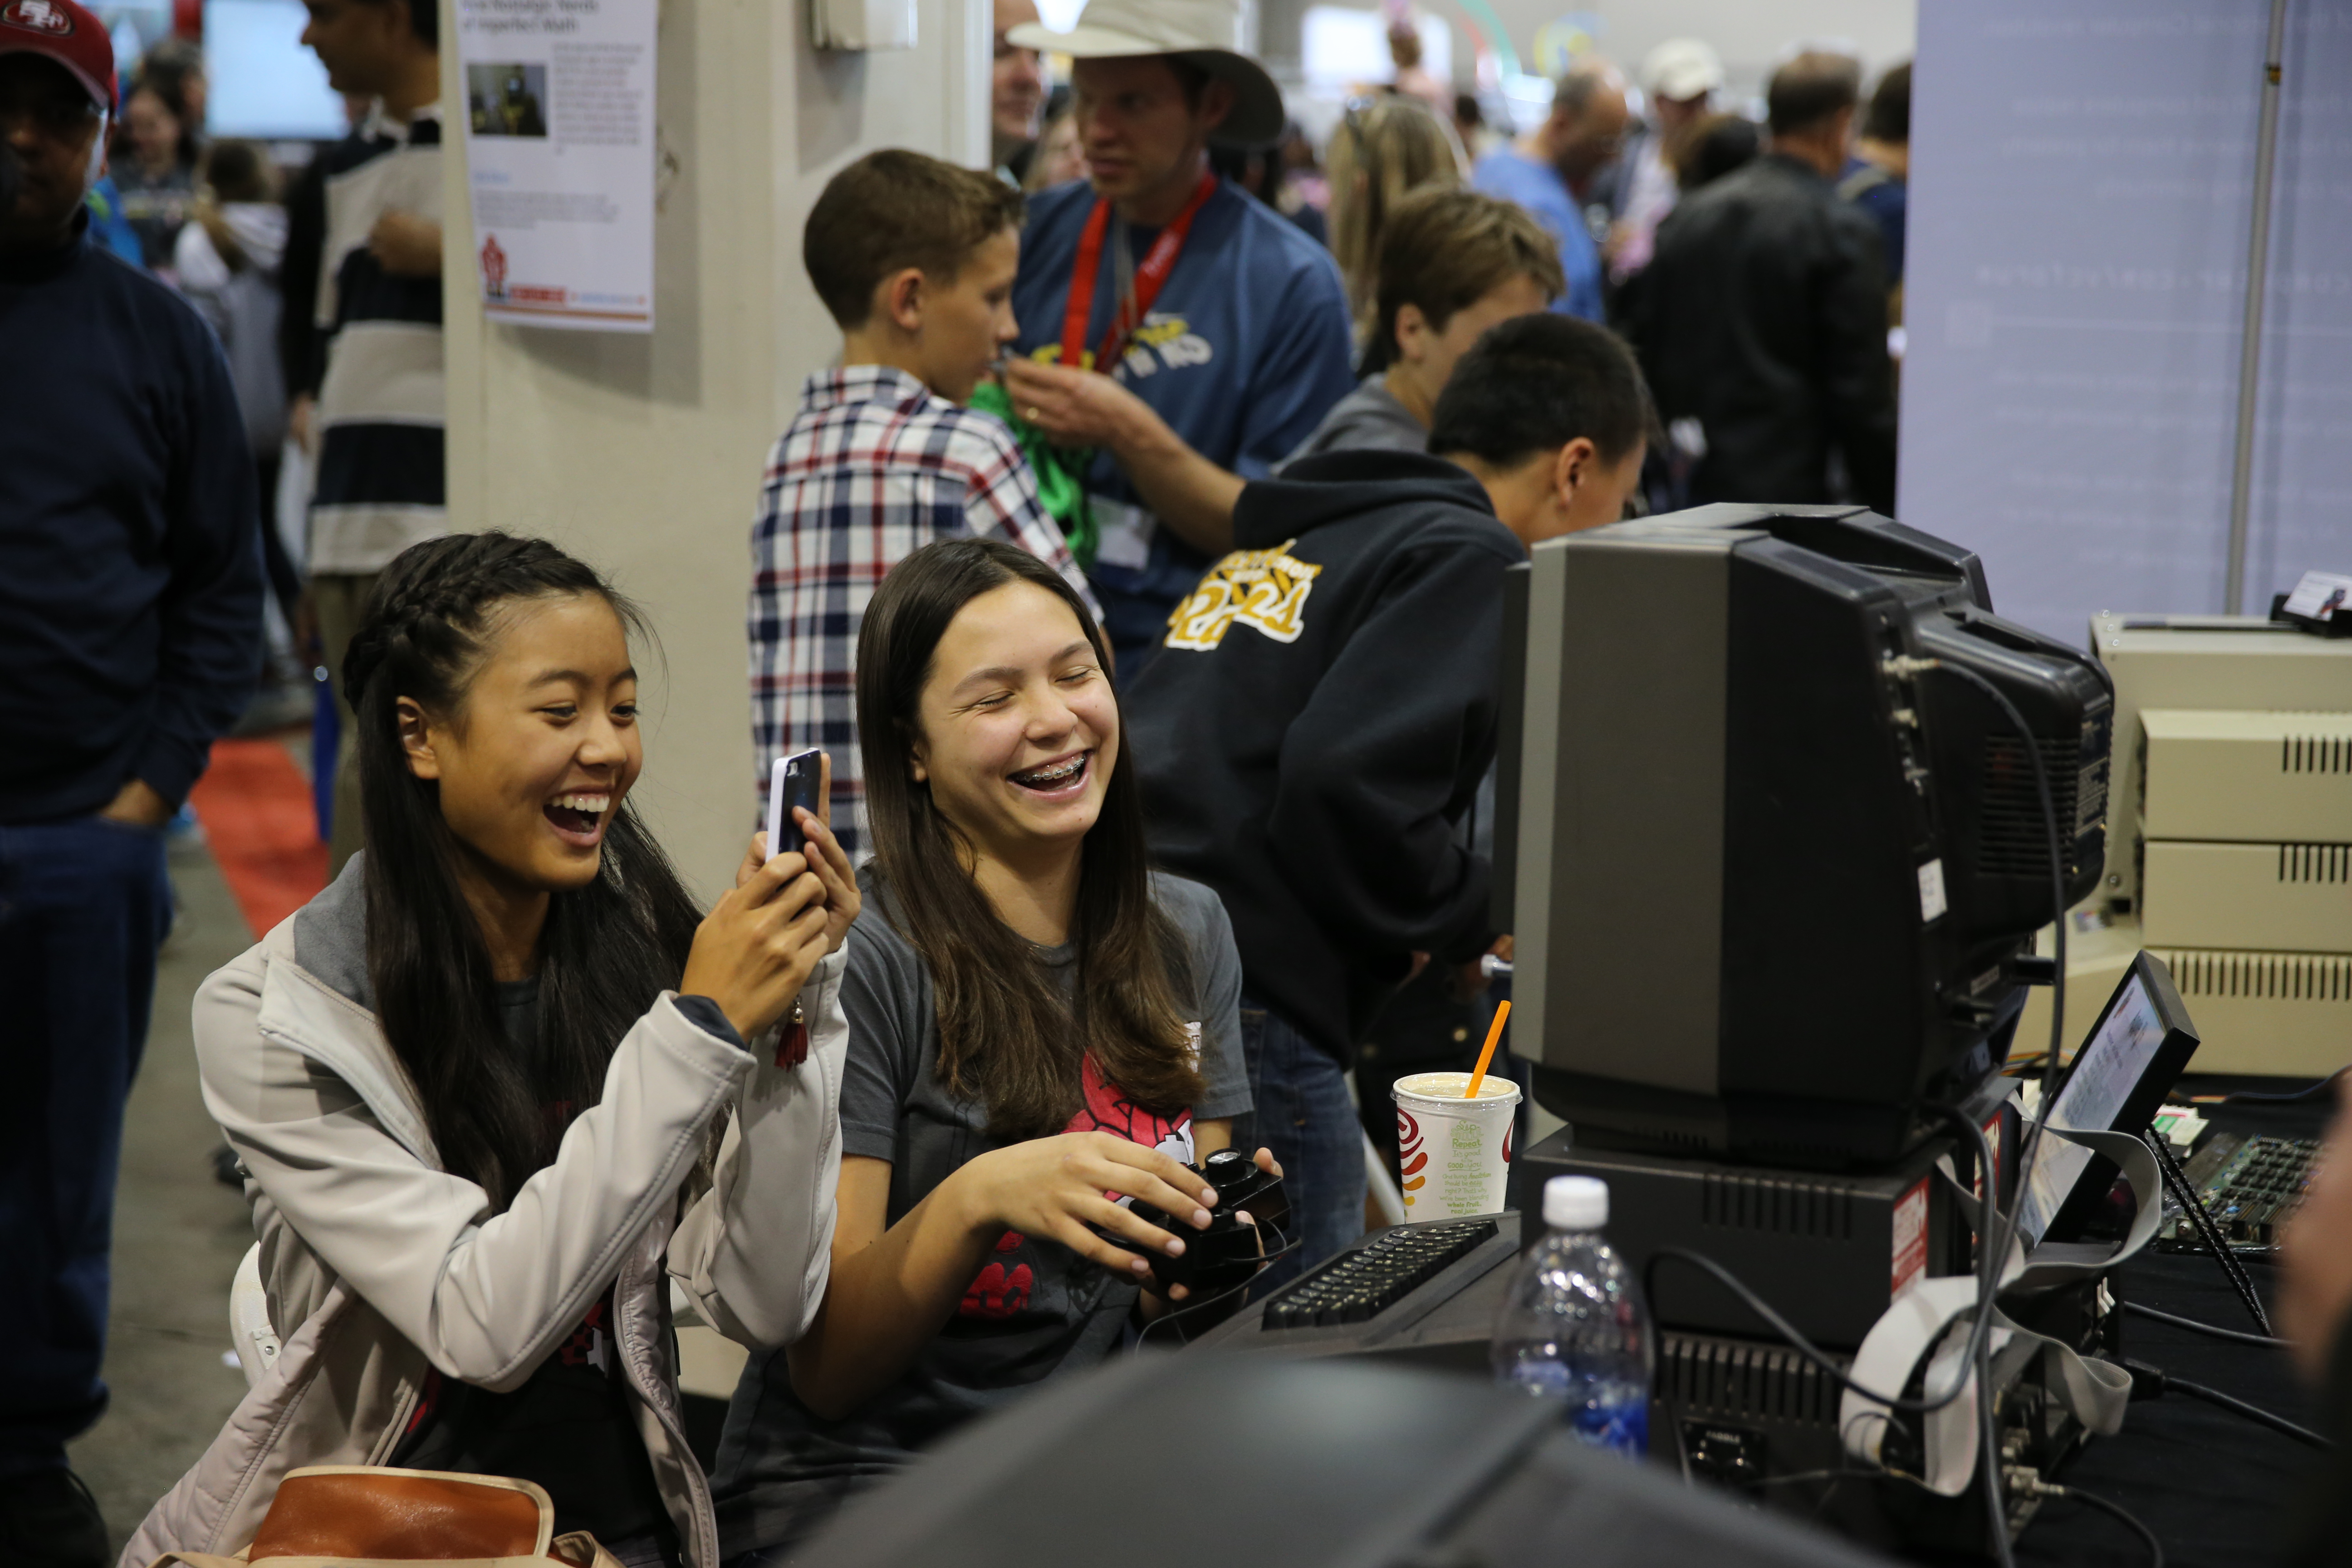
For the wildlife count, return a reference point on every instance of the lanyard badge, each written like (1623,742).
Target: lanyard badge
(1130,310)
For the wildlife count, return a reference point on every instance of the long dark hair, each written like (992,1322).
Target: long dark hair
(608,949)
(1006,1034)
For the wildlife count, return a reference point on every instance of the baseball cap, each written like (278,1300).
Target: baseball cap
(1680,69)
(68,34)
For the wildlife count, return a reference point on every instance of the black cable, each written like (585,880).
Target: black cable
(1995,1238)
(1782,1327)
(2230,1403)
(1263,1261)
(2115,1510)
(2194,1326)
(1978,1353)
(2048,1103)
(1989,1458)
(1980,1332)
(2248,1096)
(2193,1204)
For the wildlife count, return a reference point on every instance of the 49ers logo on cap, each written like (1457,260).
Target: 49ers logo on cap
(37,16)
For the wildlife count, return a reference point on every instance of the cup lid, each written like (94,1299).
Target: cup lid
(1448,1084)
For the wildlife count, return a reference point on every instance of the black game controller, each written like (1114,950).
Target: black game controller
(1230,1250)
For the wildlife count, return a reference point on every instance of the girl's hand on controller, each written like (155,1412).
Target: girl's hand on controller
(1054,1187)
(1272,1167)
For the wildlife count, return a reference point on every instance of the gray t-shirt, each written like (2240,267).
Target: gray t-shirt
(1370,416)
(1035,1309)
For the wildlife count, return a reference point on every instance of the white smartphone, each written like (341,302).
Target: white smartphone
(791,782)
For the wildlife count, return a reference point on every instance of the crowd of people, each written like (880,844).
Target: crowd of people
(1138,569)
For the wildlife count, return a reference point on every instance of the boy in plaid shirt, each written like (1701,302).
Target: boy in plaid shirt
(914,258)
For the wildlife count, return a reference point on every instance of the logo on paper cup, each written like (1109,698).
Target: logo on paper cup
(1465,1137)
(1412,1160)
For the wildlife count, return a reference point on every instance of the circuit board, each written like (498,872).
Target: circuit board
(2250,1184)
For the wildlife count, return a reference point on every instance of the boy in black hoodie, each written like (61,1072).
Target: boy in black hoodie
(1326,706)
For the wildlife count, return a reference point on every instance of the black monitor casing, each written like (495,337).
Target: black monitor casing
(1300,1464)
(1766,874)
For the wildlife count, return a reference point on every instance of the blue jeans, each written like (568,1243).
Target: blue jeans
(84,905)
(1301,1111)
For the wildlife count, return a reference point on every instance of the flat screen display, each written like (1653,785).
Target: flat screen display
(263,84)
(2105,1072)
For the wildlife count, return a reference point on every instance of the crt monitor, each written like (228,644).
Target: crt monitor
(1769,854)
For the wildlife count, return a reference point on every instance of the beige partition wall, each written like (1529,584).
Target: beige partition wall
(643,453)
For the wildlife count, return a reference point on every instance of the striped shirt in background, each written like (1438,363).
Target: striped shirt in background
(379,486)
(874,467)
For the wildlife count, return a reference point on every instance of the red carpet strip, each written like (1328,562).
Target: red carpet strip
(259,823)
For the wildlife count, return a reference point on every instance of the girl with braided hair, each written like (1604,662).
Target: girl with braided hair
(501,1083)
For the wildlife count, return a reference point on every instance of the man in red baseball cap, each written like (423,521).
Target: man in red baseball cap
(57,73)
(131,630)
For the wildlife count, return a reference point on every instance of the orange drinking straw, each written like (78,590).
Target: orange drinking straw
(1494,1033)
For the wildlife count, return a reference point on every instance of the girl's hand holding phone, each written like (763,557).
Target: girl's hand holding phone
(759,943)
(821,853)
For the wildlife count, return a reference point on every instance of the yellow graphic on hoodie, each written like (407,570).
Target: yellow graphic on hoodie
(1266,589)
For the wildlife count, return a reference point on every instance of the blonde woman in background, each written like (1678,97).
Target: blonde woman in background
(1382,152)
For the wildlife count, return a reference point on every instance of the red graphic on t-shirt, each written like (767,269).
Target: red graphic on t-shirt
(591,1343)
(996,1294)
(999,1293)
(1107,1109)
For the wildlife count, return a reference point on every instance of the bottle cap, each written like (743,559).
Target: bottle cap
(1576,1203)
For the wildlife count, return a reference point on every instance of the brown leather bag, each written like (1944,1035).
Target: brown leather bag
(361,1516)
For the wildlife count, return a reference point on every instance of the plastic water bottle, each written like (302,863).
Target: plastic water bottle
(1574,1328)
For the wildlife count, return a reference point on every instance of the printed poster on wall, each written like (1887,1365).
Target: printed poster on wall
(559,120)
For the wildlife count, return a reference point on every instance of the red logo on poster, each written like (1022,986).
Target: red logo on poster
(494,267)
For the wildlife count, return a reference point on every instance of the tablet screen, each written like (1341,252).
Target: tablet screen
(2105,1072)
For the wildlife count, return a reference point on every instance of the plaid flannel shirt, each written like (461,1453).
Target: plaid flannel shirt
(874,467)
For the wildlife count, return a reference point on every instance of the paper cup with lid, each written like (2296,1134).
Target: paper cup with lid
(1454,1155)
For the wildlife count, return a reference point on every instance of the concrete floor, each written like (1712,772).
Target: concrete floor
(178,1234)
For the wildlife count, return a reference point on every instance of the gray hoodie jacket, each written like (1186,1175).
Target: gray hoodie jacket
(379,1266)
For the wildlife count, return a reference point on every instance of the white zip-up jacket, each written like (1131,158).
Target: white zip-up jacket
(379,1266)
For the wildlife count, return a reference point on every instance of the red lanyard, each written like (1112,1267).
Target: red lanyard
(1129,313)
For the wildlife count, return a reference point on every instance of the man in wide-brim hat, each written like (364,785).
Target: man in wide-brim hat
(1224,332)
(1227,328)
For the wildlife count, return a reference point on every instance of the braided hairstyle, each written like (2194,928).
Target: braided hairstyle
(608,949)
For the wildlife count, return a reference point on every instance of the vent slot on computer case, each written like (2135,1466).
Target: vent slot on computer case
(1736,1379)
(2315,862)
(1764,1202)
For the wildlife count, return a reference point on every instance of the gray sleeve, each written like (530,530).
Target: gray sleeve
(888,1005)
(1217,976)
